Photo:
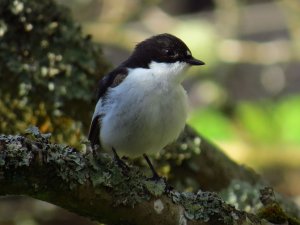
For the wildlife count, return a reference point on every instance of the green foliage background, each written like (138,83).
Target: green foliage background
(263,122)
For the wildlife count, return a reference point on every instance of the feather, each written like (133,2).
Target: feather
(113,79)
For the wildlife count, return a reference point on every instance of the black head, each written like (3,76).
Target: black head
(161,48)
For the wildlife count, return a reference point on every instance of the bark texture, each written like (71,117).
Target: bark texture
(92,185)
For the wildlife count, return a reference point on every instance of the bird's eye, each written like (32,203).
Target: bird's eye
(169,52)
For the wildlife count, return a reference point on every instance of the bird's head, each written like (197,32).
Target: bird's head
(164,48)
(165,53)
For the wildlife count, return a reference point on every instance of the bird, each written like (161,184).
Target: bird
(141,104)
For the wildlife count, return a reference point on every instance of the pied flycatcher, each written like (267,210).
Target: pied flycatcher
(142,106)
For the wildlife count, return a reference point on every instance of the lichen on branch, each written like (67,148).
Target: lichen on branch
(92,185)
(34,166)
(47,65)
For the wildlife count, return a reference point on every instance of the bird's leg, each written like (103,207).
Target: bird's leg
(155,175)
(119,161)
(94,151)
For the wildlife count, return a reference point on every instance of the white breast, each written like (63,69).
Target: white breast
(145,112)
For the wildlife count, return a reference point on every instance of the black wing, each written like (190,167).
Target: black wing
(111,80)
(94,131)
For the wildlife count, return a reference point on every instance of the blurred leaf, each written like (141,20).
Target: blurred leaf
(212,124)
(287,115)
(257,119)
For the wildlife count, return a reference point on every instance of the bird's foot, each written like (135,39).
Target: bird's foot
(125,168)
(94,149)
(155,177)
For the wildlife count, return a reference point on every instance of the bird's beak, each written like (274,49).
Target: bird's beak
(194,62)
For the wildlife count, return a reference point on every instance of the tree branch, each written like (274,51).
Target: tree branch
(95,187)
(204,162)
(92,185)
